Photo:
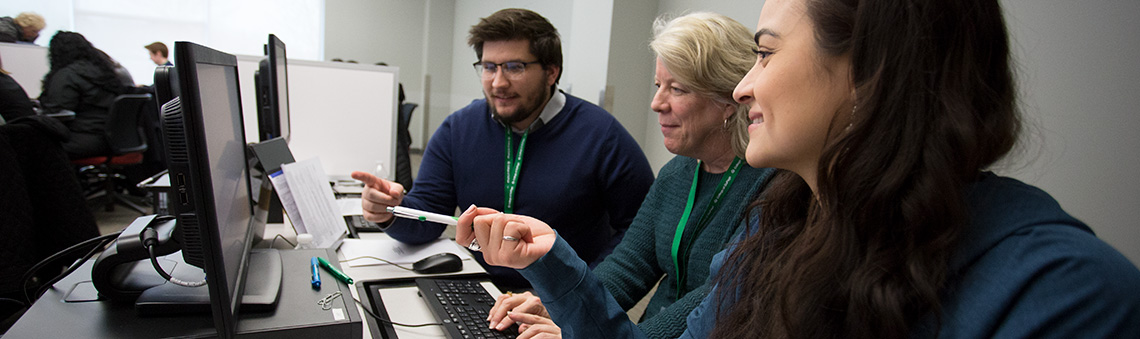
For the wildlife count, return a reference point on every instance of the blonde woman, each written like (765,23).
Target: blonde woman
(695,204)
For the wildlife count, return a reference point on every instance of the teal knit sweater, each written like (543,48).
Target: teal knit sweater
(644,256)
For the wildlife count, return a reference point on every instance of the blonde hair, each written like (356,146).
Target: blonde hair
(31,20)
(709,53)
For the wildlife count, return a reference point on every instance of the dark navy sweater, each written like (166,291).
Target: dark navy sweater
(582,174)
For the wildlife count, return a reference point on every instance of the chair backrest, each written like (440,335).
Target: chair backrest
(406,111)
(124,128)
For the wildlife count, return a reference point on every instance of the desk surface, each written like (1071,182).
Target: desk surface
(403,304)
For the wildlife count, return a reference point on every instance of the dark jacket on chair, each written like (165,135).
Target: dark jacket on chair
(42,208)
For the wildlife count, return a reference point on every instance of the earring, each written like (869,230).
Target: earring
(726,123)
(852,120)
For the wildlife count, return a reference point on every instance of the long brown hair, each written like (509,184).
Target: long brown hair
(866,255)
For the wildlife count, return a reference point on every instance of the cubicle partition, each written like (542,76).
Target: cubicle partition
(343,113)
(27,63)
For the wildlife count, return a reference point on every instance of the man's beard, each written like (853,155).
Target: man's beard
(523,112)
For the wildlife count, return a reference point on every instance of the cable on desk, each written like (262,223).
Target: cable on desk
(103,239)
(74,266)
(375,258)
(291,244)
(378,318)
(14,301)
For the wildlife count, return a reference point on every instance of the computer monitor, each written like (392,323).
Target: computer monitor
(272,87)
(210,178)
(165,85)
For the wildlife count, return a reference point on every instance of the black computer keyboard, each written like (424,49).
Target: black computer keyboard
(358,223)
(461,305)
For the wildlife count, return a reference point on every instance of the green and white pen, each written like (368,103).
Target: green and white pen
(412,213)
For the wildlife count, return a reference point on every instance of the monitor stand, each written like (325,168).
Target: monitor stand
(262,288)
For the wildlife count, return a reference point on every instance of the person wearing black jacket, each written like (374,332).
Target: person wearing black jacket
(81,79)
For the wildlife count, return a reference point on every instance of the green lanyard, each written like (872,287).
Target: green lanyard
(513,166)
(725,183)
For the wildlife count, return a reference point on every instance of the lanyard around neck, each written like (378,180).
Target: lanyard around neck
(714,204)
(513,166)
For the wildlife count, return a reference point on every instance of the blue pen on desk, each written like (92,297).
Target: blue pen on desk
(316,274)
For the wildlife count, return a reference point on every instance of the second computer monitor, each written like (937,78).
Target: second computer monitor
(273,92)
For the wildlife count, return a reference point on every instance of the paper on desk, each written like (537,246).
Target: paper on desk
(306,185)
(395,251)
(350,206)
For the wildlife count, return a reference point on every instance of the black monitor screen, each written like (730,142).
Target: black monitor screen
(208,167)
(273,88)
(225,152)
(281,81)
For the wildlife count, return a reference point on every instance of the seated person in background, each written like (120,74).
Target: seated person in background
(700,59)
(82,80)
(14,101)
(566,160)
(24,28)
(886,224)
(159,54)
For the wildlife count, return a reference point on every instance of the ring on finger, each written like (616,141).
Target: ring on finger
(509,238)
(474,246)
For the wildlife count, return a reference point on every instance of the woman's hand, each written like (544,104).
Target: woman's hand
(535,327)
(514,303)
(508,240)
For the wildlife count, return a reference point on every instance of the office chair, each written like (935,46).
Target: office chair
(403,144)
(127,143)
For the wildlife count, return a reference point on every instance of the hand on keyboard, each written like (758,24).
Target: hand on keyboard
(533,326)
(461,306)
(515,303)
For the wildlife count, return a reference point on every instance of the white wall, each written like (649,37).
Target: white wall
(585,56)
(630,79)
(371,31)
(1079,92)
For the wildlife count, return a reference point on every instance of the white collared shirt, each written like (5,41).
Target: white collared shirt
(557,101)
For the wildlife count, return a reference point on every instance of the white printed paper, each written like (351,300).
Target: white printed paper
(313,197)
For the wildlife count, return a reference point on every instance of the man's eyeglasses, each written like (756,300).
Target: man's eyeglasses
(512,69)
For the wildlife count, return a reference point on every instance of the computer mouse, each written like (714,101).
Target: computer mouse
(438,263)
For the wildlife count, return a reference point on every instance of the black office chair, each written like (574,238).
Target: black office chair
(127,142)
(403,144)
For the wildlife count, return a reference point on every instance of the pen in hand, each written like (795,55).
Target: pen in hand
(411,213)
